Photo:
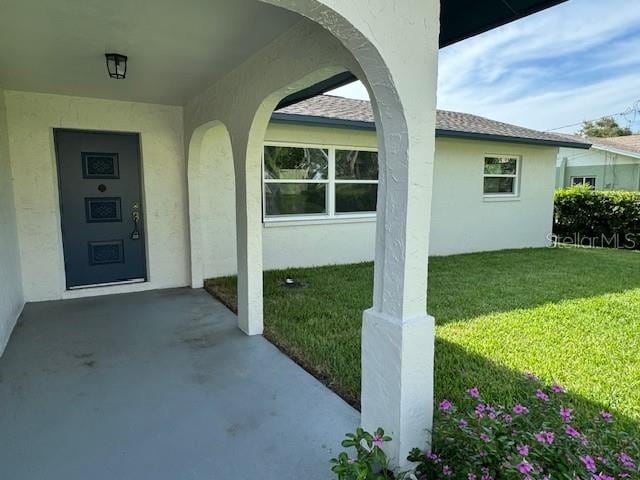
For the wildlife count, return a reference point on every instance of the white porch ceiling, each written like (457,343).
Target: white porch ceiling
(175,47)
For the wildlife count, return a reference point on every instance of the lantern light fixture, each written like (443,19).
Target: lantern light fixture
(116,65)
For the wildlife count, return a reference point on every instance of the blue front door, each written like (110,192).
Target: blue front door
(100,202)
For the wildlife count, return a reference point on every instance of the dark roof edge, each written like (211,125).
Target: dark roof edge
(506,138)
(517,14)
(441,133)
(319,88)
(325,121)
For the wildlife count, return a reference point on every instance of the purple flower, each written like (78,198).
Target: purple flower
(377,440)
(572,432)
(588,462)
(606,416)
(555,388)
(541,395)
(520,409)
(473,392)
(447,471)
(507,419)
(472,476)
(434,458)
(445,405)
(626,461)
(545,437)
(565,413)
(524,467)
(523,450)
(601,476)
(462,423)
(485,438)
(480,409)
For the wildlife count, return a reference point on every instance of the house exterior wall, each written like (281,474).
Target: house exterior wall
(31,119)
(462,219)
(613,171)
(11,295)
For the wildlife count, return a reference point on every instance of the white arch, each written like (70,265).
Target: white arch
(392,47)
(195,189)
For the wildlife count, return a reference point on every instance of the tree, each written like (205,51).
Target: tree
(605,127)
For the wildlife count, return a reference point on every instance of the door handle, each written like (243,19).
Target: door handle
(135,215)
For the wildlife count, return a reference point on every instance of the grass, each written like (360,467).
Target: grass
(568,315)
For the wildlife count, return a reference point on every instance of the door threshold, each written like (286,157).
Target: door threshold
(108,284)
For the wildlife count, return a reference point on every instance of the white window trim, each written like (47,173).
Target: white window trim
(317,218)
(516,184)
(583,177)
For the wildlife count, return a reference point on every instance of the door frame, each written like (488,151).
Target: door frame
(142,207)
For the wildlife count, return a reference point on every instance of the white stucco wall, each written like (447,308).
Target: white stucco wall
(462,219)
(11,296)
(31,119)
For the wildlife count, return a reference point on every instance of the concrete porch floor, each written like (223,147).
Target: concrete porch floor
(158,385)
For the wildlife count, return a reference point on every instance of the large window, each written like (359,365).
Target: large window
(303,182)
(501,176)
(591,181)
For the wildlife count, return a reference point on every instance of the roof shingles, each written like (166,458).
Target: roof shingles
(447,123)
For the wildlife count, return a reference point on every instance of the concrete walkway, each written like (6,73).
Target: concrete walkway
(158,385)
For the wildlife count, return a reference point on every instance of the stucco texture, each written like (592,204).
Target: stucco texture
(462,219)
(11,297)
(32,118)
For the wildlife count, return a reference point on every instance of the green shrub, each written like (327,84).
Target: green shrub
(591,218)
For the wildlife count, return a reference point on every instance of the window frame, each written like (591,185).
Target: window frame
(331,215)
(516,182)
(583,177)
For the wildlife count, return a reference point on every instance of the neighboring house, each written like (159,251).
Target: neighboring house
(610,164)
(493,187)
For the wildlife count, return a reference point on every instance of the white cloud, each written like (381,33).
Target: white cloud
(576,61)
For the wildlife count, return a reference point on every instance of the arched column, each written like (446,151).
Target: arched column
(392,47)
(195,175)
(396,45)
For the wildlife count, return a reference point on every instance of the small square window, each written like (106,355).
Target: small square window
(501,176)
(590,181)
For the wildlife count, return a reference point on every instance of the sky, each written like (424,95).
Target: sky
(573,62)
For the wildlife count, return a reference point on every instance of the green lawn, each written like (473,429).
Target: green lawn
(568,315)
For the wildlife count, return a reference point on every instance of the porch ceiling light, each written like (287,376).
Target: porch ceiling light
(116,65)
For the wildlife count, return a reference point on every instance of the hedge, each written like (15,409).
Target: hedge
(594,218)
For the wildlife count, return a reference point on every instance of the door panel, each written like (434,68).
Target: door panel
(100,200)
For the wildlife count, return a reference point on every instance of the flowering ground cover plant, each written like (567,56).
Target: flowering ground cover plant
(538,438)
(369,462)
